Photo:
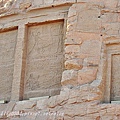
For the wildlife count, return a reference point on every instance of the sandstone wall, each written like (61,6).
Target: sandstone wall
(90,80)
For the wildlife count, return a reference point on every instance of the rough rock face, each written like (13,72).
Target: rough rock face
(37,37)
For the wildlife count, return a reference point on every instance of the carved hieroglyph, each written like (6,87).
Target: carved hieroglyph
(7,51)
(44,60)
(115,91)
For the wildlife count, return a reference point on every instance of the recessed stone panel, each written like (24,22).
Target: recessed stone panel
(7,52)
(112,81)
(44,60)
(115,88)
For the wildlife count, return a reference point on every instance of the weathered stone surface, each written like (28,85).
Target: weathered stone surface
(52,102)
(89,22)
(69,77)
(24,105)
(7,51)
(41,117)
(90,48)
(89,40)
(72,49)
(74,41)
(44,60)
(115,90)
(91,62)
(88,1)
(2,107)
(79,37)
(30,117)
(41,104)
(111,3)
(37,2)
(86,75)
(75,64)
(48,1)
(10,106)
(25,5)
(109,17)
(111,29)
(5,5)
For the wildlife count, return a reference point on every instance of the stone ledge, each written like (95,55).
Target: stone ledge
(39,98)
(115,102)
(16,11)
(2,101)
(44,6)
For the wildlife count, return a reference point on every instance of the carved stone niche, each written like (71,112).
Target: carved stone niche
(7,52)
(112,78)
(44,62)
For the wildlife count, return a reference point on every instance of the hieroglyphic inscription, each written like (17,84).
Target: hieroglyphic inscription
(44,59)
(7,51)
(115,88)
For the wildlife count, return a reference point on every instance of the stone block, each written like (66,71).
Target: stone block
(37,2)
(111,3)
(42,117)
(80,37)
(109,17)
(48,1)
(75,110)
(73,41)
(72,49)
(90,48)
(27,117)
(24,105)
(39,98)
(88,1)
(86,75)
(10,106)
(88,19)
(25,5)
(62,99)
(69,77)
(72,11)
(3,111)
(41,104)
(111,29)
(75,64)
(91,61)
(65,92)
(52,102)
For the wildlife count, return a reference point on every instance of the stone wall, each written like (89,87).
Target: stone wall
(90,78)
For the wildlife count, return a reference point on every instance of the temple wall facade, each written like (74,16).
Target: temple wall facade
(60,59)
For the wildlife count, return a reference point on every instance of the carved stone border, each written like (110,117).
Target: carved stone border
(20,58)
(106,68)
